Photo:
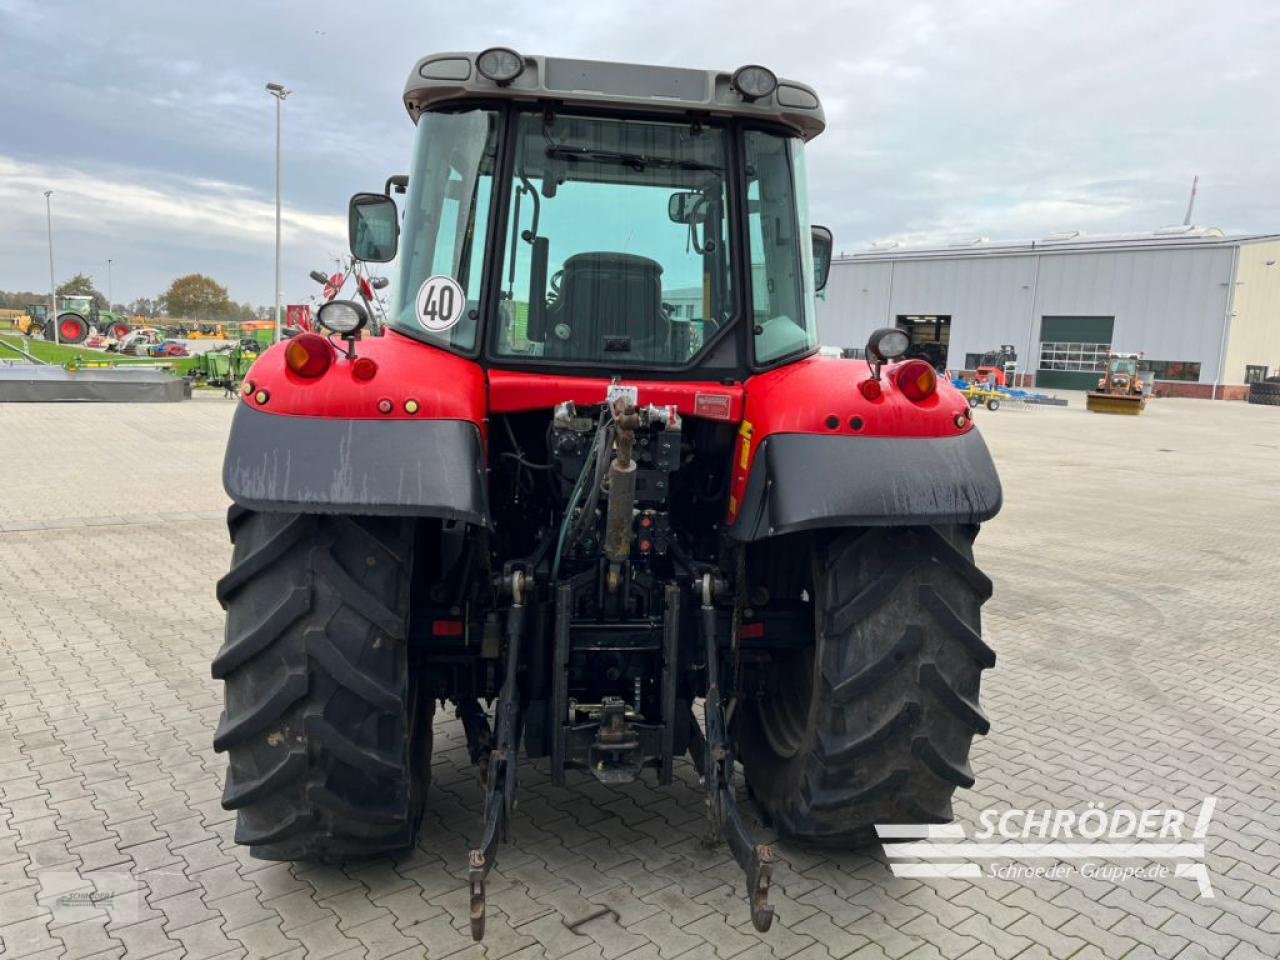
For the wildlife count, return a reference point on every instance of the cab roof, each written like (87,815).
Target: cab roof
(444,77)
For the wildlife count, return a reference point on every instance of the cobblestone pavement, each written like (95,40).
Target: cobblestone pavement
(1135,566)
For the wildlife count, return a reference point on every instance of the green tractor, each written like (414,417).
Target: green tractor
(78,316)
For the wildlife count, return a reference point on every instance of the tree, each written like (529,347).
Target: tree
(81,286)
(197,297)
(144,307)
(18,300)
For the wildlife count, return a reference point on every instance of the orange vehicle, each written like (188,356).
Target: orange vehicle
(1121,389)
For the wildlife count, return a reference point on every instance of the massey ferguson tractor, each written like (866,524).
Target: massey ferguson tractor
(595,492)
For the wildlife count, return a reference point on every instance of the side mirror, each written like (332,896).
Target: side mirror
(823,243)
(373,227)
(318,276)
(687,206)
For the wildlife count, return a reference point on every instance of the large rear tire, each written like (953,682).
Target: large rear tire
(326,724)
(873,724)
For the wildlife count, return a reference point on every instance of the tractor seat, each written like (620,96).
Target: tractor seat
(609,308)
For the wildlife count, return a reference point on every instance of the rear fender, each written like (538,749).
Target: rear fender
(814,452)
(324,445)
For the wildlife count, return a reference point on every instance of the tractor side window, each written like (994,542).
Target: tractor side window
(446,222)
(785,321)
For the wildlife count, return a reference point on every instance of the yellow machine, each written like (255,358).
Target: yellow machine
(1121,389)
(23,323)
(206,331)
(978,395)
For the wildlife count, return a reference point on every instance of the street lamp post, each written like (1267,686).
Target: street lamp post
(53,285)
(279,92)
(110,297)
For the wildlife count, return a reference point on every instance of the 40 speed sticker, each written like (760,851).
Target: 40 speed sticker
(440,303)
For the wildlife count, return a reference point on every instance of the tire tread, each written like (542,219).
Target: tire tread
(316,671)
(894,708)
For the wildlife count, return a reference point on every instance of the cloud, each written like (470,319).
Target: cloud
(993,117)
(164,223)
(220,213)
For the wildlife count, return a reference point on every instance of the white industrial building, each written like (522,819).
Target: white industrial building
(1203,308)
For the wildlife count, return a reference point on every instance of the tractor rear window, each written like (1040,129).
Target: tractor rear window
(616,249)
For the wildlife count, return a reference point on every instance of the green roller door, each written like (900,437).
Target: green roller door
(1073,350)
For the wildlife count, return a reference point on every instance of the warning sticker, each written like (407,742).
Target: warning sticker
(713,406)
(440,303)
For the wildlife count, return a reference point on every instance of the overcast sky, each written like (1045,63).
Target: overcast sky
(148,118)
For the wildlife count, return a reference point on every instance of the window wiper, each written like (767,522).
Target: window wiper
(636,160)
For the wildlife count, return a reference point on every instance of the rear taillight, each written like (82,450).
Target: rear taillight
(870,389)
(916,380)
(364,368)
(308,355)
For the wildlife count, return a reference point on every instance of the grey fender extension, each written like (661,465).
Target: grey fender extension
(808,481)
(288,464)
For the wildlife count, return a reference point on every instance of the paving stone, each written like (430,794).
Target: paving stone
(322,938)
(670,940)
(107,714)
(205,940)
(380,937)
(182,910)
(25,938)
(145,939)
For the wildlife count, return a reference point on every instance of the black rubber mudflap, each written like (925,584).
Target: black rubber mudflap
(329,746)
(892,702)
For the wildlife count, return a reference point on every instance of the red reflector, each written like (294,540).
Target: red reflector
(870,389)
(916,379)
(364,368)
(446,628)
(308,355)
(751,631)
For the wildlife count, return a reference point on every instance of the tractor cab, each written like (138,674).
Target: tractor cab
(1121,375)
(83,304)
(575,214)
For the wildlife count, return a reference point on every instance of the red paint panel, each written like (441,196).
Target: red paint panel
(512,392)
(801,397)
(444,386)
(823,395)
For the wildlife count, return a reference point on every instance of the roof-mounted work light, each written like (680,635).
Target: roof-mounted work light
(500,64)
(754,81)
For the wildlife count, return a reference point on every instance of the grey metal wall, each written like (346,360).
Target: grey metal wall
(1168,303)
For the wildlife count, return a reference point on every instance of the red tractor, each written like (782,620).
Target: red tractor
(594,473)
